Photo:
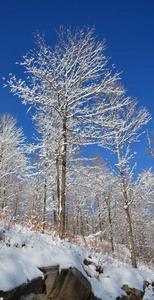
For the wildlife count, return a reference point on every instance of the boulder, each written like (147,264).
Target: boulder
(69,284)
(87,262)
(34,286)
(132,293)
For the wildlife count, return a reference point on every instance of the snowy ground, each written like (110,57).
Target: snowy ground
(23,251)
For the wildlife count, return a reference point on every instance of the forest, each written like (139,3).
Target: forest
(76,99)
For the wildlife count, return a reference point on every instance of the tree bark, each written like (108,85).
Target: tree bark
(100,223)
(57,179)
(45,198)
(133,255)
(4,200)
(111,231)
(130,231)
(81,223)
(54,215)
(63,180)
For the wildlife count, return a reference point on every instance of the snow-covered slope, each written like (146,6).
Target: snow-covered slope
(23,251)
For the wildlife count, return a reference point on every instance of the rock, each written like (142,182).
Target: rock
(70,284)
(87,262)
(34,297)
(34,286)
(122,298)
(99,269)
(51,276)
(137,294)
(132,293)
(151,285)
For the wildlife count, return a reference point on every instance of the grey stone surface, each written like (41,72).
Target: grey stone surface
(72,285)
(132,293)
(51,276)
(34,297)
(34,286)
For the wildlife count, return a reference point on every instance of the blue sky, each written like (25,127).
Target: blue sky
(127,25)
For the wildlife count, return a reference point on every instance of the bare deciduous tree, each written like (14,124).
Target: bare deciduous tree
(120,127)
(13,162)
(65,79)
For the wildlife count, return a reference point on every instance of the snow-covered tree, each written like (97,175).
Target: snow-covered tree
(13,163)
(120,127)
(104,191)
(65,79)
(142,210)
(48,152)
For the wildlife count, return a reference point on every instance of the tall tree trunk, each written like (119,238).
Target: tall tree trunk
(100,223)
(133,255)
(67,227)
(44,199)
(36,195)
(16,204)
(111,231)
(54,215)
(4,200)
(130,231)
(63,180)
(81,223)
(57,179)
(77,220)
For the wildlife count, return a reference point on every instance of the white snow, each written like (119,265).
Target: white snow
(22,252)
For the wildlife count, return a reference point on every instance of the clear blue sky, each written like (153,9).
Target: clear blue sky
(127,25)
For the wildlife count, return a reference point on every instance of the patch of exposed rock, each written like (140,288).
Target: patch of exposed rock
(131,293)
(69,284)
